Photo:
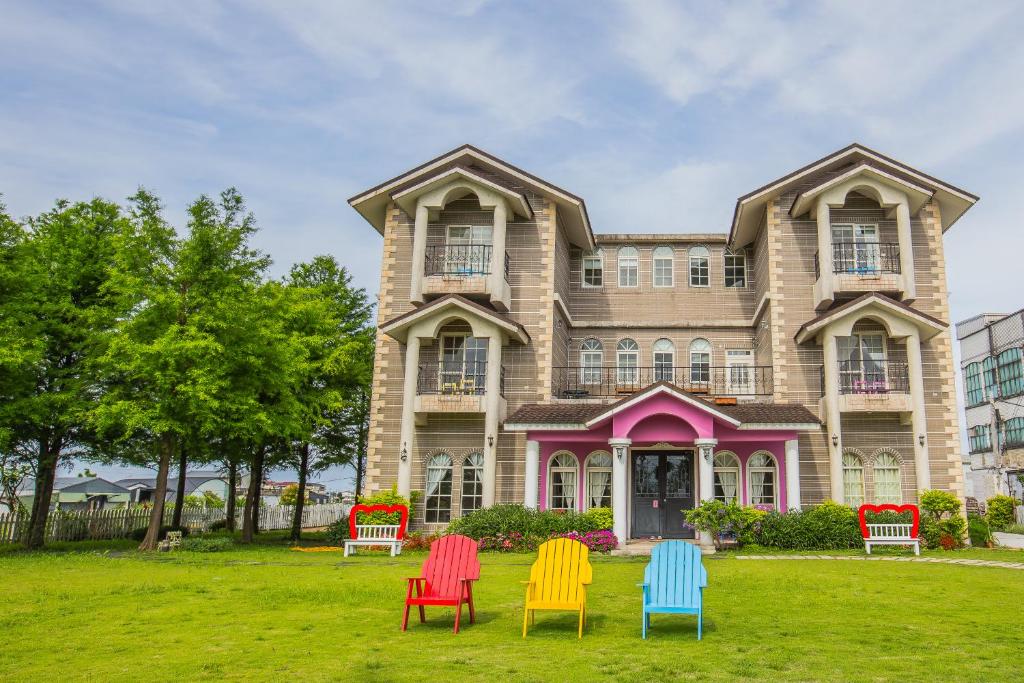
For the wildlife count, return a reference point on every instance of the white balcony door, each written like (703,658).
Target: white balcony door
(860,251)
(463,364)
(862,366)
(739,372)
(467,249)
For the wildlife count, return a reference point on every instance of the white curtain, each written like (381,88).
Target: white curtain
(757,486)
(568,481)
(727,482)
(599,484)
(435,475)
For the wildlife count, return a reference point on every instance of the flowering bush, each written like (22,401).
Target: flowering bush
(601,541)
(513,542)
(506,519)
(418,541)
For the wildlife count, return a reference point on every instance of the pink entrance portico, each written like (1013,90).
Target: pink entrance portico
(666,450)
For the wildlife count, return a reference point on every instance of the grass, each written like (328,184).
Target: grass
(266,612)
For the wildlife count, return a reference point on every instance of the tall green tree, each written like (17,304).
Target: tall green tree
(56,297)
(331,320)
(165,363)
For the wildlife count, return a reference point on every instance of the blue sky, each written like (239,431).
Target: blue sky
(302,104)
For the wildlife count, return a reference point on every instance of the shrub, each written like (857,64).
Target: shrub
(202,544)
(417,541)
(219,525)
(932,531)
(601,517)
(140,533)
(600,541)
(337,533)
(979,531)
(1015,529)
(723,520)
(828,526)
(389,497)
(508,519)
(938,503)
(514,542)
(1000,512)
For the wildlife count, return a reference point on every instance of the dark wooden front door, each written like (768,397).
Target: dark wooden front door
(662,489)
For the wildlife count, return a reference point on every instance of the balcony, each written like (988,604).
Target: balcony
(724,384)
(465,269)
(454,387)
(877,385)
(858,268)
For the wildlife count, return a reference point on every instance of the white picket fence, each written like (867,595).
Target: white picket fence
(113,523)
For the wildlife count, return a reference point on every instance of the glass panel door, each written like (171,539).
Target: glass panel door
(866,248)
(872,353)
(646,501)
(739,367)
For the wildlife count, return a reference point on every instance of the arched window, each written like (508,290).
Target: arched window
(700,272)
(664,360)
(593,269)
(439,489)
(591,360)
(563,473)
(627,361)
(599,480)
(629,267)
(762,480)
(853,479)
(726,477)
(662,267)
(888,488)
(700,361)
(472,483)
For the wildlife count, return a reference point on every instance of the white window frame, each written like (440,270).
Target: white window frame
(858,233)
(597,256)
(624,266)
(591,373)
(697,348)
(478,374)
(487,239)
(861,373)
(726,255)
(552,470)
(897,466)
(775,480)
(664,371)
(734,468)
(443,516)
(739,383)
(475,464)
(671,258)
(624,372)
(589,469)
(853,462)
(694,254)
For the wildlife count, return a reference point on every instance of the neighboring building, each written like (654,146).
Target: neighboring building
(271,492)
(801,357)
(991,361)
(78,493)
(196,484)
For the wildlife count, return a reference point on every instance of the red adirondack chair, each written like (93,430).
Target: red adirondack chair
(446,579)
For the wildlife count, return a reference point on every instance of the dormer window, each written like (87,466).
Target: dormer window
(593,269)
(629,267)
(663,267)
(700,272)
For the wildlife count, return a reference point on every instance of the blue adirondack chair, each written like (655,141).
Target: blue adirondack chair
(674,582)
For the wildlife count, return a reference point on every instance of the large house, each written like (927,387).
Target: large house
(992,362)
(802,355)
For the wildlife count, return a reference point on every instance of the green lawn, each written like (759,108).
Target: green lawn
(269,613)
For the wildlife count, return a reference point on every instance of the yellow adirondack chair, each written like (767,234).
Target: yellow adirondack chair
(559,580)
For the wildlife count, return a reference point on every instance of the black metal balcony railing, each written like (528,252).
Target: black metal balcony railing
(866,258)
(600,382)
(459,260)
(873,377)
(455,378)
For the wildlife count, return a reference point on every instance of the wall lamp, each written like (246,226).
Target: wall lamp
(920,439)
(405,453)
(490,441)
(835,439)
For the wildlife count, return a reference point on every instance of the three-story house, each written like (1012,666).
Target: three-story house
(801,356)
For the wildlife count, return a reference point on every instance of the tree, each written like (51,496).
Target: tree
(54,306)
(331,320)
(164,365)
(290,495)
(12,473)
(86,472)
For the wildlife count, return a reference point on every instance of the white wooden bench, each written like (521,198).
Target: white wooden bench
(891,534)
(375,534)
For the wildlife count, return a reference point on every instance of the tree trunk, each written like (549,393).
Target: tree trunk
(179,492)
(259,493)
(156,515)
(361,443)
(46,472)
(300,499)
(229,504)
(250,514)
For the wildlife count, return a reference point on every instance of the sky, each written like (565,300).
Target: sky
(301,105)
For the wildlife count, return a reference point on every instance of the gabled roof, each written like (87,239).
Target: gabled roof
(580,417)
(406,197)
(372,203)
(87,485)
(953,201)
(917,195)
(398,327)
(929,326)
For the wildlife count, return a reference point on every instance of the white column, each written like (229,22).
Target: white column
(492,404)
(824,220)
(406,448)
(906,250)
(833,422)
(793,474)
(918,419)
(419,254)
(532,476)
(497,275)
(706,479)
(620,497)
